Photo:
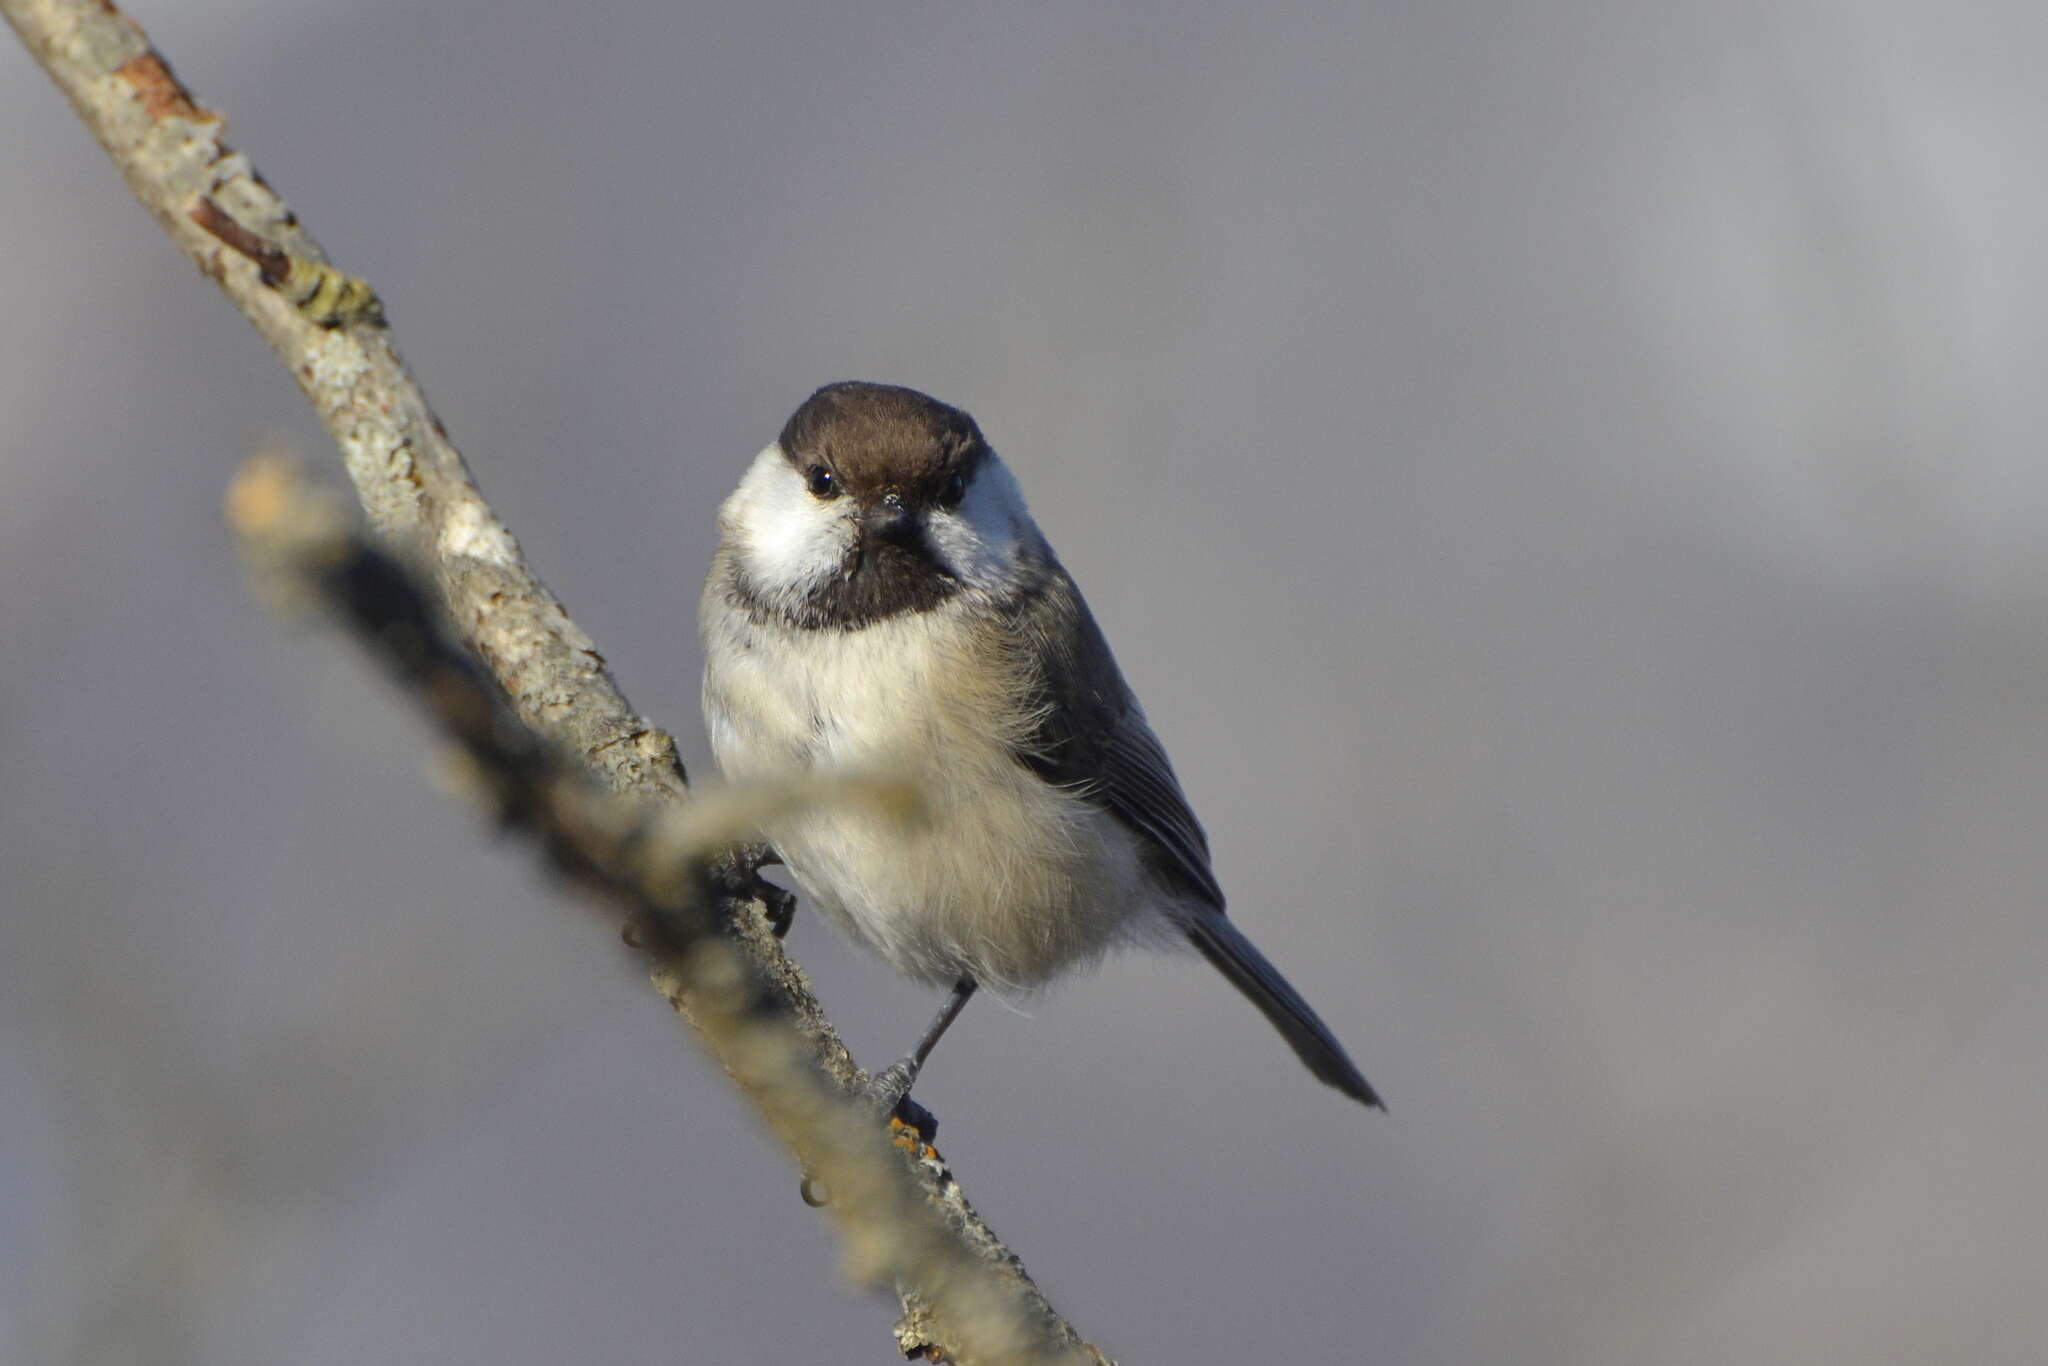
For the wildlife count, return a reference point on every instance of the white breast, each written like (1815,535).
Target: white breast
(1009,881)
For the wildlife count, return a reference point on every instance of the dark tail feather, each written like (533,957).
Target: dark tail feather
(1262,983)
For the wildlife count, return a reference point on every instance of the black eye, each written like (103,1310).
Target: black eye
(821,482)
(955,490)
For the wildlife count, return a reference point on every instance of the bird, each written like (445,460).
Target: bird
(882,603)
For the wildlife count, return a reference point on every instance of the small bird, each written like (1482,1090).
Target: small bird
(882,603)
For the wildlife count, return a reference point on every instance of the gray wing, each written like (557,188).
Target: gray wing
(1092,734)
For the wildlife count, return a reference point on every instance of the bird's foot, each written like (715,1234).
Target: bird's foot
(888,1094)
(737,873)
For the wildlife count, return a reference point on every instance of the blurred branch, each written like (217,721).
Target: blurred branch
(750,999)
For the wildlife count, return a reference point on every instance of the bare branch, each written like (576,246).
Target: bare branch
(329,330)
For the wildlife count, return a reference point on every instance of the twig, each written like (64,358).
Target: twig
(329,330)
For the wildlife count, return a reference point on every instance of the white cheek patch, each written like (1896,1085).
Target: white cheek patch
(978,540)
(790,540)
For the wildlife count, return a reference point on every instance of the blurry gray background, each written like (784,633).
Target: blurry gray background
(1566,481)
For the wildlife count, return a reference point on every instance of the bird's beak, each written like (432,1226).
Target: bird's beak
(890,519)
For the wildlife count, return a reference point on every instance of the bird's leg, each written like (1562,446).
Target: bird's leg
(738,873)
(889,1089)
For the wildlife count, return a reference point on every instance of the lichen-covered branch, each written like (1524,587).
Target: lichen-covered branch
(411,479)
(331,333)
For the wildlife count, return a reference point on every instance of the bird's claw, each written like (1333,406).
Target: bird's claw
(738,874)
(780,904)
(888,1094)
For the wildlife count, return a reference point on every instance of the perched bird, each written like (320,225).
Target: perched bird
(881,602)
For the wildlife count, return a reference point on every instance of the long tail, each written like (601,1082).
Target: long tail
(1248,971)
